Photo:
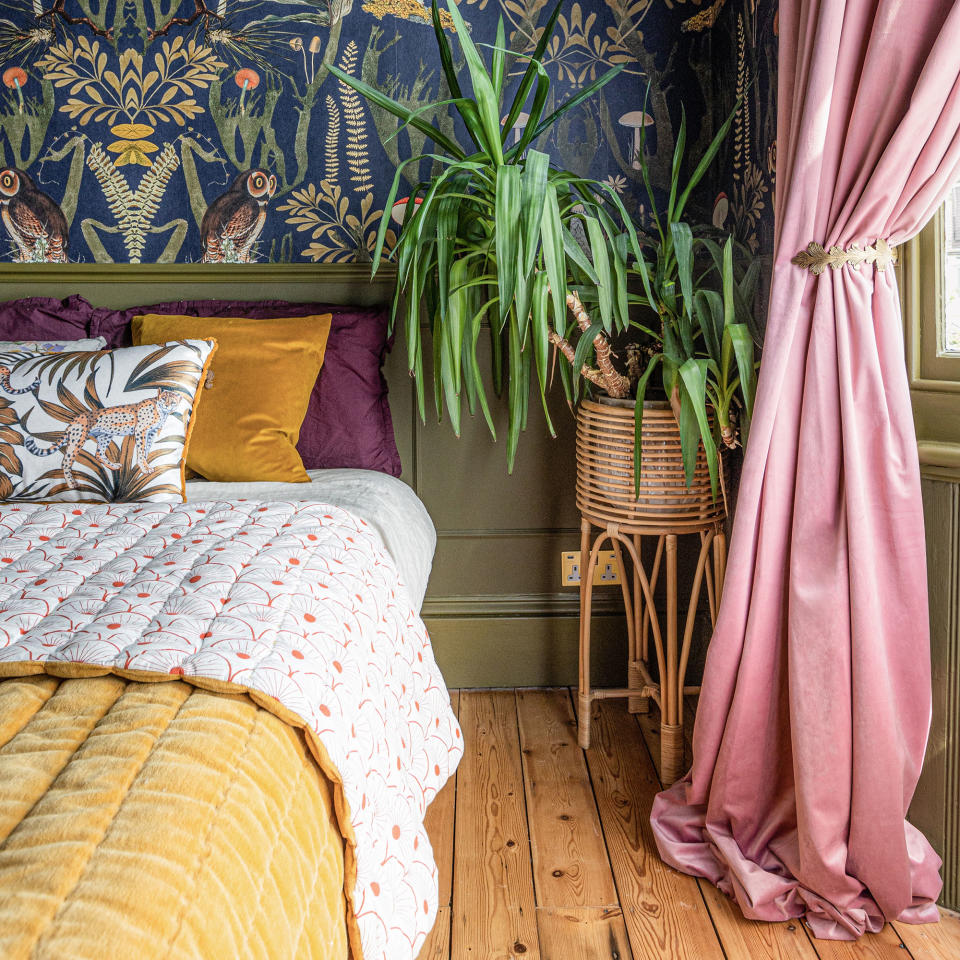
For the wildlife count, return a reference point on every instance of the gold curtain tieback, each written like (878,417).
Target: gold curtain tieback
(816,259)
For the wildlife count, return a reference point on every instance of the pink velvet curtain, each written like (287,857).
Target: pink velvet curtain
(816,700)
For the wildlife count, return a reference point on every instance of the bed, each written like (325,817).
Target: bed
(221,724)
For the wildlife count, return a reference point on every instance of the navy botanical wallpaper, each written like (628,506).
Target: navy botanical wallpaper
(210,130)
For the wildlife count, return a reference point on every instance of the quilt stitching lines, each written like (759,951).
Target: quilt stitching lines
(207,839)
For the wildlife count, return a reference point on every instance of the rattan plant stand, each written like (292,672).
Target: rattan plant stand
(669,512)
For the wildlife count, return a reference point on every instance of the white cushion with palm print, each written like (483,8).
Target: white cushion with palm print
(98,426)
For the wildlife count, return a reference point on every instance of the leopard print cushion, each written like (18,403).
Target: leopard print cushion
(98,426)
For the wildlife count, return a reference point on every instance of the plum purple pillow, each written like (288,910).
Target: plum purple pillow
(348,420)
(45,318)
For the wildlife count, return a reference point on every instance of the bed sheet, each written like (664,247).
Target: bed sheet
(387,504)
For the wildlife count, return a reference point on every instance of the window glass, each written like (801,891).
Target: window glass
(948,339)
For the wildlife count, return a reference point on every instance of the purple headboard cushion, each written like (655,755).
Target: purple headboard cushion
(348,420)
(45,318)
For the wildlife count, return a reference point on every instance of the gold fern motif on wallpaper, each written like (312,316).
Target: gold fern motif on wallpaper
(133,210)
(100,94)
(703,20)
(357,152)
(331,145)
(749,186)
(338,236)
(409,10)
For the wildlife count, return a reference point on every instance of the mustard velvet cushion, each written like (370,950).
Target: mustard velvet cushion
(248,424)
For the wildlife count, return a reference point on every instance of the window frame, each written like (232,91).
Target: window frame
(934,379)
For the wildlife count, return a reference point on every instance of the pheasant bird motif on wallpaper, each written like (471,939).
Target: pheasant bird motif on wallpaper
(33,220)
(235,220)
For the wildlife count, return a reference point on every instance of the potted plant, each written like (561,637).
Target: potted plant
(692,328)
(500,234)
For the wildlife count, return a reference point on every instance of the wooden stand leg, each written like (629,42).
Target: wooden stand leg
(671,752)
(638,654)
(672,655)
(631,602)
(671,699)
(711,595)
(719,561)
(586,598)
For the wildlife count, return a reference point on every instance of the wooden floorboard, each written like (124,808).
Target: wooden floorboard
(582,933)
(545,852)
(884,945)
(439,822)
(932,941)
(570,865)
(664,912)
(494,908)
(750,938)
(738,936)
(437,946)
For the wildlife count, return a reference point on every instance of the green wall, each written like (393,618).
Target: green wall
(496,613)
(936,806)
(495,608)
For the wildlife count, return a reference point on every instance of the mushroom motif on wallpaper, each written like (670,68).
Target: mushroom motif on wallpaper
(636,120)
(398,213)
(234,221)
(16,77)
(246,79)
(33,220)
(519,126)
(721,207)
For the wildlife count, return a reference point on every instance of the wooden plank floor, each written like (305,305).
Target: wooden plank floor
(545,852)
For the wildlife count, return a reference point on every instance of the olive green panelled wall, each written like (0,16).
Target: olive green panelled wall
(936,805)
(495,609)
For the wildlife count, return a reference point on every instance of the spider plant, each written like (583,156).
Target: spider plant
(490,235)
(697,330)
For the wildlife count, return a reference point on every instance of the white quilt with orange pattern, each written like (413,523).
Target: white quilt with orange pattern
(300,604)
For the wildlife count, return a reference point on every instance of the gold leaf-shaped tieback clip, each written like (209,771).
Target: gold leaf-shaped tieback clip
(816,259)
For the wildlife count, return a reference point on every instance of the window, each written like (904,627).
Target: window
(949,334)
(930,290)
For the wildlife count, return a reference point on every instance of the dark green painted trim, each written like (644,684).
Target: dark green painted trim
(85,273)
(124,285)
(526,651)
(550,605)
(940,461)
(487,532)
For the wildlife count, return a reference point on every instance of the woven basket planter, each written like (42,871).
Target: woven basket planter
(605,486)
